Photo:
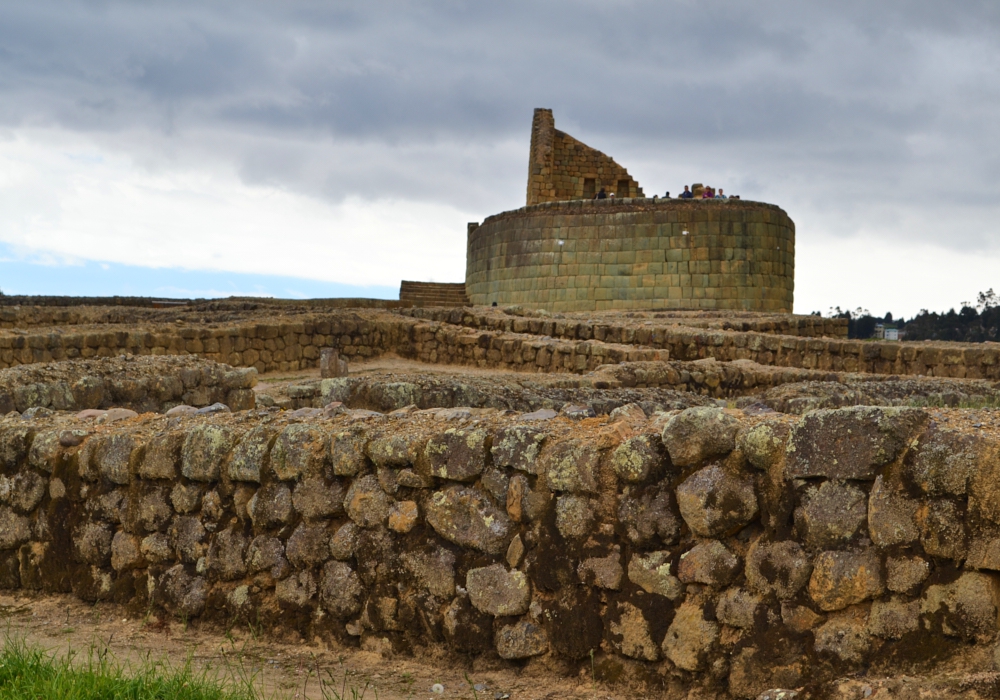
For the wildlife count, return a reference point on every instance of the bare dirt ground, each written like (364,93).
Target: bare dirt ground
(62,624)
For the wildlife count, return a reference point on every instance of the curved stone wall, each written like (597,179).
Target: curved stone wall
(589,255)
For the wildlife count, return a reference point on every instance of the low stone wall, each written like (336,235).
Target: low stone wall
(575,326)
(137,383)
(699,548)
(487,340)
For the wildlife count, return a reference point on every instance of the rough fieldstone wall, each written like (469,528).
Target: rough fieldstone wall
(634,254)
(542,345)
(697,548)
(560,166)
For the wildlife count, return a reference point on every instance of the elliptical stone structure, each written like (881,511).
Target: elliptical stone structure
(567,252)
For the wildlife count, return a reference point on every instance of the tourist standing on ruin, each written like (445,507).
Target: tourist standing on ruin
(707,193)
(601,195)
(720,195)
(687,194)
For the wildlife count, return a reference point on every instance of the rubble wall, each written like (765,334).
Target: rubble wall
(698,548)
(459,336)
(635,254)
(136,383)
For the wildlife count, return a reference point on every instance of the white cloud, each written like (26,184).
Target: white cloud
(105,207)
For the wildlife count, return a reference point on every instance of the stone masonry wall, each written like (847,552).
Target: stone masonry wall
(471,338)
(562,168)
(135,383)
(635,254)
(697,548)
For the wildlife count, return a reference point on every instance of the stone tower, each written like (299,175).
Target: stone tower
(562,168)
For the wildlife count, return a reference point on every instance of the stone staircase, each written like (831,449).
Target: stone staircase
(433,293)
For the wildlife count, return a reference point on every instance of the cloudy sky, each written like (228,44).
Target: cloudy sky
(325,148)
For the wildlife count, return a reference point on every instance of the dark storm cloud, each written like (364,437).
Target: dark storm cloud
(879,102)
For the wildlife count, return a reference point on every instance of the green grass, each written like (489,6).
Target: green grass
(31,674)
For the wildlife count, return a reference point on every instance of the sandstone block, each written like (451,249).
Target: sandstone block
(403,516)
(162,457)
(92,543)
(183,593)
(226,555)
(496,591)
(602,572)
(315,499)
(187,536)
(943,462)
(397,449)
(125,553)
(296,591)
(270,506)
(348,453)
(894,618)
(344,542)
(267,554)
(698,434)
(156,548)
(840,579)
(115,456)
(737,607)
(850,443)
(942,529)
(185,497)
(844,637)
(713,502)
(26,491)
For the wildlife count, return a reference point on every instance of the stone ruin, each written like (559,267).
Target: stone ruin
(720,504)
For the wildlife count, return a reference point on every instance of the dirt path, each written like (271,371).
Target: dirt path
(61,624)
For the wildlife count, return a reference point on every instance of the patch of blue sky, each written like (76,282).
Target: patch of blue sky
(57,276)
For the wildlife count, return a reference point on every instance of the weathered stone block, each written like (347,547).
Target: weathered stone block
(831,514)
(781,568)
(249,457)
(709,563)
(366,503)
(571,465)
(204,450)
(496,591)
(698,434)
(850,443)
(457,454)
(690,637)
(651,572)
(713,502)
(840,579)
(298,451)
(639,458)
(466,517)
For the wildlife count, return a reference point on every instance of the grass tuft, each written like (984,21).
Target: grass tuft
(30,674)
